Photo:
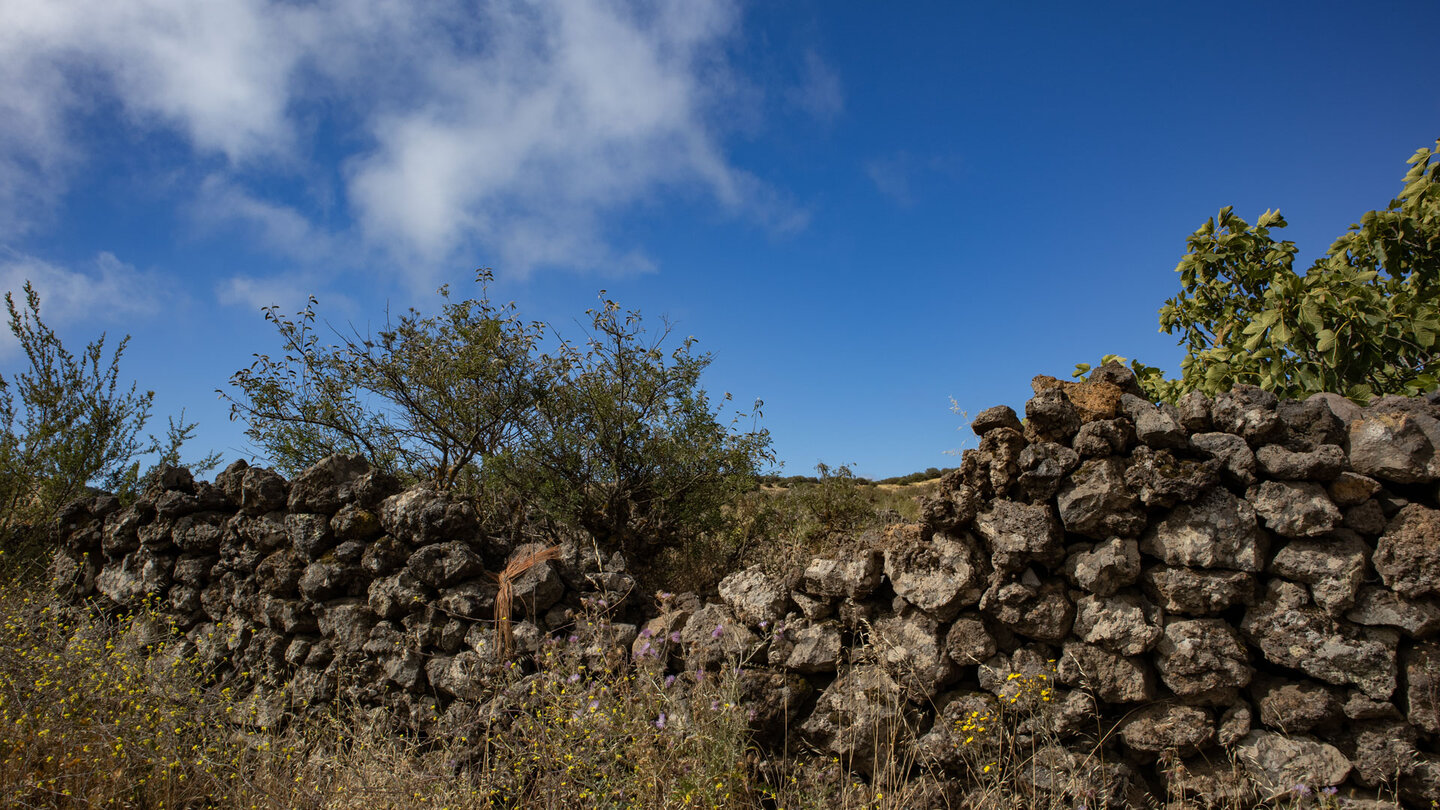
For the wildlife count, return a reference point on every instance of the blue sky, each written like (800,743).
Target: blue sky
(861,209)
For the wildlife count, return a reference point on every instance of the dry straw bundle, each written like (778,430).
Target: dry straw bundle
(504,601)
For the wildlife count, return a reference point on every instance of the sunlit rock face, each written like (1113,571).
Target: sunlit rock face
(1231,577)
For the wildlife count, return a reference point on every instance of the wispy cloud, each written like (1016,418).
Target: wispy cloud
(106,291)
(505,130)
(891,176)
(895,175)
(819,92)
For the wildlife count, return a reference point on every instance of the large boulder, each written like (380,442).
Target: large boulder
(1197,592)
(394,596)
(968,642)
(940,577)
(1375,605)
(1292,632)
(863,720)
(1000,416)
(1294,508)
(1018,534)
(1124,624)
(1237,460)
(992,468)
(1104,438)
(1297,708)
(1195,656)
(421,517)
(327,484)
(1106,567)
(813,648)
(1421,665)
(1218,530)
(1393,446)
(1050,416)
(310,534)
(714,636)
(1278,762)
(1249,412)
(854,578)
(1110,677)
(1352,489)
(1154,427)
(1407,556)
(1161,479)
(256,490)
(1096,502)
(1333,566)
(1035,609)
(911,647)
(754,597)
(1323,463)
(1170,727)
(444,564)
(1042,467)
(1310,424)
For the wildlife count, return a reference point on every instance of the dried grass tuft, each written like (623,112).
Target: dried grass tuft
(504,601)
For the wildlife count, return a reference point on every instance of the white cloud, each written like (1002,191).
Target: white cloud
(891,176)
(221,204)
(895,175)
(819,92)
(503,130)
(108,291)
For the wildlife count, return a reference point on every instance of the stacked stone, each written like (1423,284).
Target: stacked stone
(1237,575)
(335,584)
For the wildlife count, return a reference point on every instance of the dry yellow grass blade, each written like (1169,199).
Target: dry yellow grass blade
(504,601)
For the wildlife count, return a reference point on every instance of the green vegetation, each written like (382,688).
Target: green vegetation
(1361,321)
(102,713)
(121,712)
(74,427)
(612,434)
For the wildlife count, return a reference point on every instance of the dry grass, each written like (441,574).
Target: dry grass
(104,712)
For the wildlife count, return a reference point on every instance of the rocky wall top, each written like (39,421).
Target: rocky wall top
(1240,575)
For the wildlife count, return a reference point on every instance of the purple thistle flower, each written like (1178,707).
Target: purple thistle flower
(660,721)
(718,631)
(1301,790)
(574,676)
(647,633)
(675,637)
(669,681)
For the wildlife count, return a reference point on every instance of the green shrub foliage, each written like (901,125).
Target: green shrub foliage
(612,434)
(73,427)
(423,400)
(1361,321)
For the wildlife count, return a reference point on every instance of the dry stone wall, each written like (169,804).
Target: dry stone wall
(1236,577)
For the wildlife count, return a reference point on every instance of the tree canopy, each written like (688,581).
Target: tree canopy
(612,433)
(1361,321)
(74,426)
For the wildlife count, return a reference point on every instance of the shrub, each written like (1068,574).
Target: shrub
(74,427)
(1362,320)
(613,434)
